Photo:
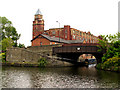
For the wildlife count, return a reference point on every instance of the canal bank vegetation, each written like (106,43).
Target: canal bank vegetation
(42,62)
(8,37)
(111,58)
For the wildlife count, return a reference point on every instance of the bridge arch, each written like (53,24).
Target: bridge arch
(75,56)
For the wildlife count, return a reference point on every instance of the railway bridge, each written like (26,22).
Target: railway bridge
(73,51)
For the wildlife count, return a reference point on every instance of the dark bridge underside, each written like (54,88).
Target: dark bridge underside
(73,52)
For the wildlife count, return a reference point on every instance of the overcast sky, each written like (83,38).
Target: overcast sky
(96,16)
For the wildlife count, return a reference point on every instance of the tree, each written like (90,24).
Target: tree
(111,45)
(7,43)
(8,31)
(107,41)
(21,45)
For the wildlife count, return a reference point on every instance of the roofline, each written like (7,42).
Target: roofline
(61,40)
(46,38)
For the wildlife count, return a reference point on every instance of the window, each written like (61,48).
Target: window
(80,33)
(65,36)
(53,32)
(66,31)
(91,41)
(73,36)
(73,31)
(77,32)
(86,35)
(40,43)
(92,36)
(83,34)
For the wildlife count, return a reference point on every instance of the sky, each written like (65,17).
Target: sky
(97,16)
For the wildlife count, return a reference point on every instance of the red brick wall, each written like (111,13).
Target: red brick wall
(67,32)
(38,25)
(39,41)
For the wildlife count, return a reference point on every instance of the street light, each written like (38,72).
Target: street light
(59,30)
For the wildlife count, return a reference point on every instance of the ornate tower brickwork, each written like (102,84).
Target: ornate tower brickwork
(38,24)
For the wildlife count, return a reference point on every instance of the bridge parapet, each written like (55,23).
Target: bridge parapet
(75,49)
(81,44)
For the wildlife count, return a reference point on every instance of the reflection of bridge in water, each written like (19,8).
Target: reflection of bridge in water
(73,51)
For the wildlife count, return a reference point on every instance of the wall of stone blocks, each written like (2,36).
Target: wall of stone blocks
(30,54)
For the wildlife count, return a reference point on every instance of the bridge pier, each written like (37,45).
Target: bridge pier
(98,58)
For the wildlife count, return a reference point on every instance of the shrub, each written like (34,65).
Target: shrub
(42,62)
(98,66)
(2,57)
(111,62)
(116,69)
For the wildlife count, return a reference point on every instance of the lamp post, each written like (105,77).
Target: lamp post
(59,30)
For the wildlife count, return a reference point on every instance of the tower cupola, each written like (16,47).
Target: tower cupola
(38,15)
(38,12)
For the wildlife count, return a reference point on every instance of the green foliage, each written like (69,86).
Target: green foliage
(7,43)
(107,41)
(111,63)
(42,62)
(112,51)
(111,45)
(8,31)
(99,65)
(103,43)
(111,58)
(21,45)
(2,57)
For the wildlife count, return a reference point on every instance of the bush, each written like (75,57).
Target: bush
(113,62)
(42,62)
(112,51)
(2,57)
(98,65)
(116,69)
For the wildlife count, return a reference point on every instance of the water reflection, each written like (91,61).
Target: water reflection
(66,77)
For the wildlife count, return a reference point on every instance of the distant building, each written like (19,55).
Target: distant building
(58,35)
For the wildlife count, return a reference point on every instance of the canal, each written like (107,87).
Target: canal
(62,77)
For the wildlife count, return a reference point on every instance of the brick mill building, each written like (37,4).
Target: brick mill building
(65,35)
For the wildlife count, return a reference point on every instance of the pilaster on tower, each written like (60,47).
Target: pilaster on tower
(38,24)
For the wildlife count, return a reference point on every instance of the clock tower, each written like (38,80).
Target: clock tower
(38,24)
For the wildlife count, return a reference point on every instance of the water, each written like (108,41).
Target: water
(64,77)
